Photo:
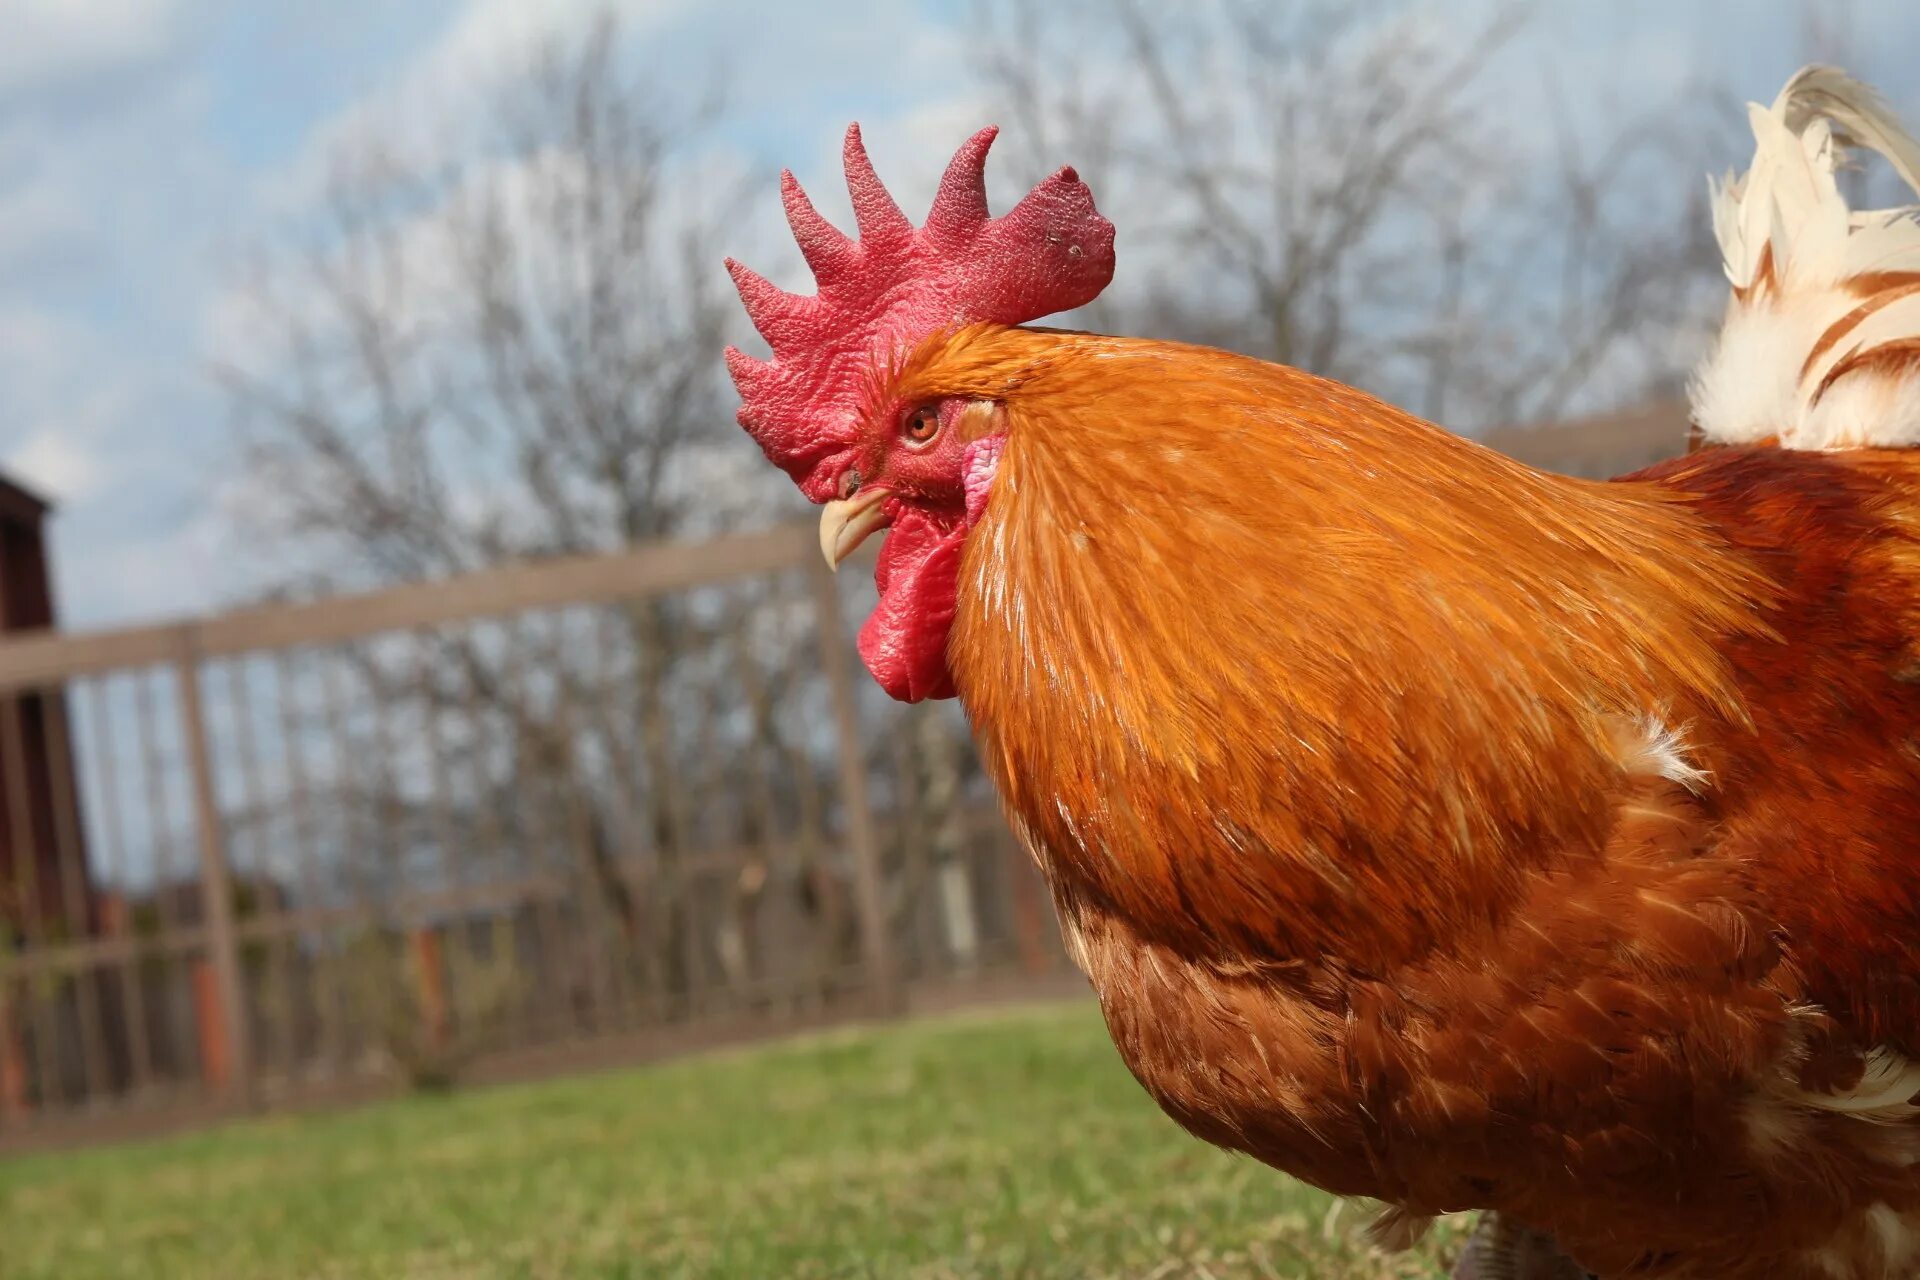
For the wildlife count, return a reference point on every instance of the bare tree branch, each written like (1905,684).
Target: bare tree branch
(1337,188)
(504,348)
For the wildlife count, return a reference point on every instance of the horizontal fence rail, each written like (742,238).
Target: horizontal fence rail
(45,659)
(281,852)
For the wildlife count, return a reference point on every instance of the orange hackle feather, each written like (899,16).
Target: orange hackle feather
(1337,738)
(1219,612)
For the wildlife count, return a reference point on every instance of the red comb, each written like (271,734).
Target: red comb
(882,293)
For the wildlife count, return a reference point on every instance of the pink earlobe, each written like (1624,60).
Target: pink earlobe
(981,464)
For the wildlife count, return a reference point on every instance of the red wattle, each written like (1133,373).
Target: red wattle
(904,640)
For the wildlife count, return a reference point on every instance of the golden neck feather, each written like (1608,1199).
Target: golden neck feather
(1220,613)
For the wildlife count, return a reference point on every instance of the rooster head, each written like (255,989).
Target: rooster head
(826,409)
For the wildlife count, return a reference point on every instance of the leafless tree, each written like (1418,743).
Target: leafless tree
(503,345)
(1338,187)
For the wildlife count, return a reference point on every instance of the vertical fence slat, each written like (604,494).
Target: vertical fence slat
(233,1074)
(299,792)
(489,829)
(73,885)
(433,967)
(757,822)
(337,1012)
(911,837)
(26,893)
(616,823)
(600,879)
(20,1010)
(163,859)
(863,844)
(679,965)
(14,1079)
(552,940)
(113,865)
(807,863)
(274,946)
(42,1022)
(722,883)
(414,1028)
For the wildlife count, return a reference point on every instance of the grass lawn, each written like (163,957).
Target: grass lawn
(1011,1144)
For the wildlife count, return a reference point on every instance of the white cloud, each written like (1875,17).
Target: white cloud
(51,43)
(493,37)
(36,347)
(57,464)
(163,571)
(56,410)
(36,219)
(448,81)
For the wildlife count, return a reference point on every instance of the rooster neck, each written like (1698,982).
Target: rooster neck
(1268,666)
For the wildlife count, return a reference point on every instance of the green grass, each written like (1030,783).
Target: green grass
(1010,1144)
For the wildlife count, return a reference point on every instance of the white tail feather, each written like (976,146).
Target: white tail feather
(1821,344)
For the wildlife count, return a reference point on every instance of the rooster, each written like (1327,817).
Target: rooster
(1434,829)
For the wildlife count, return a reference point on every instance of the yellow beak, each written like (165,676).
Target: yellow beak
(847,523)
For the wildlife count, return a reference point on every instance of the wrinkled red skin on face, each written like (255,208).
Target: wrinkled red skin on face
(904,640)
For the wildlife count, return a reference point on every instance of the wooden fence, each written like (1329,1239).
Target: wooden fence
(300,850)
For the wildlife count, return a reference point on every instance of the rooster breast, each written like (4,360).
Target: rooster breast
(1623,1062)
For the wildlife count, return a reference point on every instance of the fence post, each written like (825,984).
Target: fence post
(432,977)
(216,885)
(1029,912)
(13,1059)
(876,944)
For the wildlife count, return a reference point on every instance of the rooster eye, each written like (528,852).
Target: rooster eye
(922,425)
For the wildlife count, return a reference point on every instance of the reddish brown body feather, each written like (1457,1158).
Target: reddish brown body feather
(1824,795)
(1312,715)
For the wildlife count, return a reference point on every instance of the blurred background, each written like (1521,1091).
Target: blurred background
(416,681)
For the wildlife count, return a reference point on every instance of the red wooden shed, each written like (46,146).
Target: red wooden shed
(43,897)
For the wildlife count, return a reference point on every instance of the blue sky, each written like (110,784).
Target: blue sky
(146,144)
